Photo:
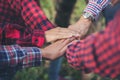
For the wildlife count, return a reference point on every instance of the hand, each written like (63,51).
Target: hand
(59,33)
(56,49)
(81,26)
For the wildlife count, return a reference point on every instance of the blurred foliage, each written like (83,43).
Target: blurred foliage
(41,73)
(48,7)
(78,9)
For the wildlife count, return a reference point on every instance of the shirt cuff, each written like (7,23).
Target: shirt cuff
(33,57)
(95,7)
(38,38)
(72,55)
(77,56)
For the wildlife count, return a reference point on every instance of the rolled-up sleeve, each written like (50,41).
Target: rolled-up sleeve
(96,6)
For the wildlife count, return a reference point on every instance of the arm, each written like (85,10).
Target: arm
(16,34)
(93,8)
(33,33)
(20,57)
(36,22)
(98,52)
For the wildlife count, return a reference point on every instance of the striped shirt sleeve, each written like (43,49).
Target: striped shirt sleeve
(96,6)
(19,57)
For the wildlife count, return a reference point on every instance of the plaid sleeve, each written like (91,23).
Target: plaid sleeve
(96,6)
(34,16)
(19,57)
(99,52)
(17,34)
(34,19)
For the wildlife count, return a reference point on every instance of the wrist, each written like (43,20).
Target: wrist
(43,53)
(85,20)
(88,16)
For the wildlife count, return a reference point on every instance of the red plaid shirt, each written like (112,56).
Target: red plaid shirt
(99,52)
(22,22)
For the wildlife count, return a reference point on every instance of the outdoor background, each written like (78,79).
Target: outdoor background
(41,72)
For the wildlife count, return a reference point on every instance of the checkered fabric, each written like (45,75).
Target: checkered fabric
(14,58)
(96,6)
(99,52)
(22,22)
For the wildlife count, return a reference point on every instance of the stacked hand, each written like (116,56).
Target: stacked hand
(59,33)
(61,38)
(56,49)
(67,35)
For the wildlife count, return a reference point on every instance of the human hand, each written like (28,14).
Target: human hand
(81,26)
(59,33)
(56,49)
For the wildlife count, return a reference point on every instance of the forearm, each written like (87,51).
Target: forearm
(19,57)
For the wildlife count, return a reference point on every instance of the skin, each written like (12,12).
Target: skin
(56,49)
(59,33)
(81,26)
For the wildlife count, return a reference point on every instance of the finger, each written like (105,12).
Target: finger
(76,34)
(58,41)
(63,36)
(62,46)
(61,33)
(57,29)
(59,44)
(62,51)
(65,42)
(67,30)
